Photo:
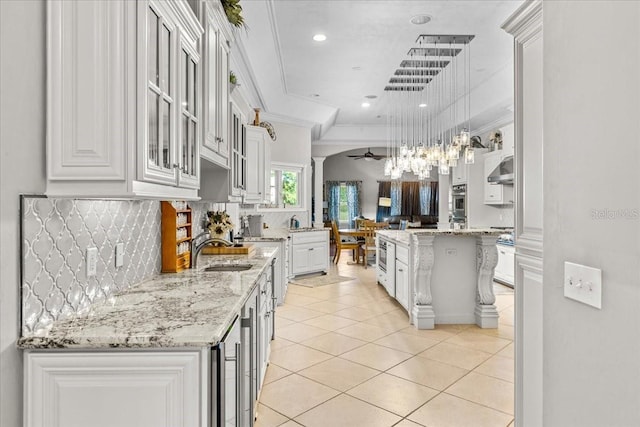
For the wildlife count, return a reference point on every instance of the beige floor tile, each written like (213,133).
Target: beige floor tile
(364,331)
(498,367)
(508,351)
(339,374)
(327,306)
(280,342)
(333,343)
(297,357)
(408,343)
(449,411)
(479,341)
(390,322)
(512,423)
(376,356)
(293,395)
(393,394)
(346,411)
(300,332)
(330,322)
(291,423)
(275,372)
(355,313)
(456,355)
(296,314)
(281,322)
(299,300)
(436,334)
(502,331)
(300,290)
(354,301)
(507,316)
(267,417)
(380,305)
(456,329)
(504,301)
(407,423)
(487,391)
(428,372)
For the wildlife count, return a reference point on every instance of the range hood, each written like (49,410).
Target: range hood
(503,173)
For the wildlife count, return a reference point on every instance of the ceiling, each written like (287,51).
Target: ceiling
(323,84)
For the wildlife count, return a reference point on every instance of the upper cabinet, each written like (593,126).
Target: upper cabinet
(258,165)
(123,101)
(495,194)
(215,144)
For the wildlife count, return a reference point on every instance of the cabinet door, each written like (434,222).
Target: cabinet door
(255,165)
(222,102)
(492,192)
(238,153)
(319,257)
(189,108)
(125,389)
(460,173)
(402,283)
(211,139)
(300,259)
(158,95)
(391,269)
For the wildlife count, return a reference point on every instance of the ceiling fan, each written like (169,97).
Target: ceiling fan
(368,156)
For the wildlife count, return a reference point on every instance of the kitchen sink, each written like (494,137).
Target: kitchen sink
(228,267)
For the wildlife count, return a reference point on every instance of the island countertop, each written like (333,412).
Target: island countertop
(193,308)
(404,236)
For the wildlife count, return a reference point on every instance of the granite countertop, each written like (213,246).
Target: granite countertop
(404,236)
(301,229)
(269,235)
(193,308)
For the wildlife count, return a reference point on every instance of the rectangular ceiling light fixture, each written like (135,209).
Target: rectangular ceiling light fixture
(444,39)
(417,72)
(416,63)
(432,51)
(404,88)
(410,80)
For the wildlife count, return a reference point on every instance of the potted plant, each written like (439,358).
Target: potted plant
(233,10)
(219,224)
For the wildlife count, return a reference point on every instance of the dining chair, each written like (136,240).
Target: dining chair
(369,243)
(343,243)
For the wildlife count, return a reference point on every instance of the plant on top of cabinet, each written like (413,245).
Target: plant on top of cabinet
(118,77)
(233,10)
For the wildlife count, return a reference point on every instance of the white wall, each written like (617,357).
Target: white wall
(591,110)
(22,166)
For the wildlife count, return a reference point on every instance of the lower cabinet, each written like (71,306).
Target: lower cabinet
(505,269)
(309,251)
(280,278)
(402,276)
(204,387)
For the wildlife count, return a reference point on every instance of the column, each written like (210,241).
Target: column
(486,260)
(318,175)
(423,257)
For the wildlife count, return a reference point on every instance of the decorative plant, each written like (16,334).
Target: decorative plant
(232,78)
(219,222)
(233,10)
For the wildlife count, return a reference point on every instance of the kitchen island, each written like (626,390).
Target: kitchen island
(446,276)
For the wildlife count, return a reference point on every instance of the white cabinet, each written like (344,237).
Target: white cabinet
(116,127)
(459,173)
(387,277)
(105,389)
(258,165)
(402,275)
(280,276)
(215,143)
(505,269)
(495,194)
(309,252)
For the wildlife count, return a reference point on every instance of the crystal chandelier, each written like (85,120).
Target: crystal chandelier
(429,108)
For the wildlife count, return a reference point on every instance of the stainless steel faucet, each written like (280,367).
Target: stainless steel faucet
(197,248)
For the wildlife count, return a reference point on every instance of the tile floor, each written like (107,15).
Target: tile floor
(345,355)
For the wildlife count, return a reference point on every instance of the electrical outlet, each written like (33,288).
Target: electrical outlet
(92,261)
(119,254)
(584,284)
(451,251)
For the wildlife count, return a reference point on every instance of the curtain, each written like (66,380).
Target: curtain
(384,190)
(396,193)
(410,200)
(353,201)
(429,198)
(333,198)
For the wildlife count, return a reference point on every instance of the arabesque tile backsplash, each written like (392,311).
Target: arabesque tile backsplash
(55,236)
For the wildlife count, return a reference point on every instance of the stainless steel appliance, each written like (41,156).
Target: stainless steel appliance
(382,255)
(459,203)
(255,226)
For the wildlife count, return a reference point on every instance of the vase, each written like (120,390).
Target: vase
(222,236)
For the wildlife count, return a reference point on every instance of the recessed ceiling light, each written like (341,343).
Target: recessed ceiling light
(366,105)
(319,37)
(420,19)
(371,96)
(315,95)
(423,105)
(356,68)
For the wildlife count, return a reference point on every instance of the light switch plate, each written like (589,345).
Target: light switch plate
(92,261)
(584,284)
(119,254)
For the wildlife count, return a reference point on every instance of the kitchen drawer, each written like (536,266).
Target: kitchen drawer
(300,238)
(402,254)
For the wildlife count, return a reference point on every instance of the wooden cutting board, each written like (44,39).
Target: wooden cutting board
(228,250)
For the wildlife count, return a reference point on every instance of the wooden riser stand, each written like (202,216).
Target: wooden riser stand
(173,258)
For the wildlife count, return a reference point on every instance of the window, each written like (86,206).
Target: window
(287,186)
